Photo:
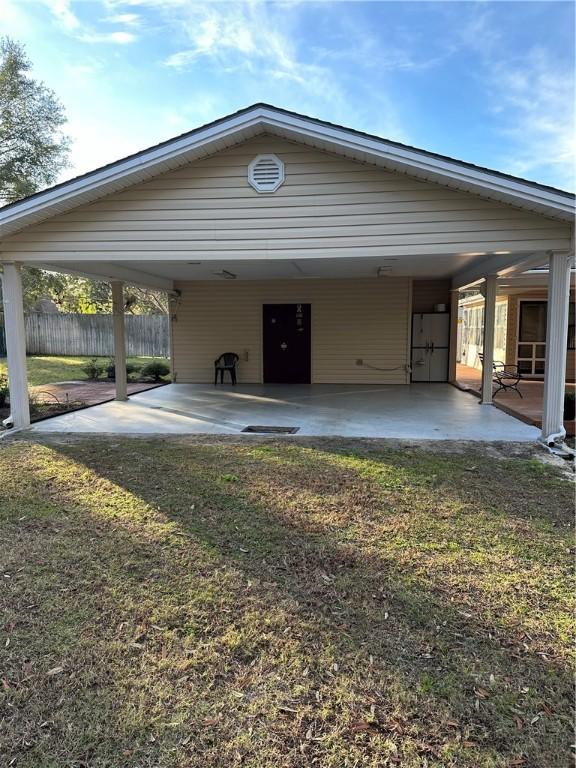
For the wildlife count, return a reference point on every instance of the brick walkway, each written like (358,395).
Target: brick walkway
(528,408)
(84,392)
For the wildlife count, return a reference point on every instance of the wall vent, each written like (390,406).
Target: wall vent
(266,173)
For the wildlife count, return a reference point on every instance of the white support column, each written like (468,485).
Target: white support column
(453,351)
(119,339)
(15,345)
(556,341)
(488,342)
(173,301)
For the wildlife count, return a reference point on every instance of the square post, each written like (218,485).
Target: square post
(119,339)
(556,342)
(454,326)
(15,345)
(488,342)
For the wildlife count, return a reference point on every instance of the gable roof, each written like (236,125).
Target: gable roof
(265,118)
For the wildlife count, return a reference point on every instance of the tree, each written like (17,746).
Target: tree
(33,149)
(84,296)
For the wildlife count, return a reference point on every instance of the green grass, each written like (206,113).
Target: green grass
(184,602)
(49,370)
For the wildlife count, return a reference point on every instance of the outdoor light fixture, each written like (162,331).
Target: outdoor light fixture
(225,274)
(382,271)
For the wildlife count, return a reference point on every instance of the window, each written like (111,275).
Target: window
(532,321)
(532,337)
(500,328)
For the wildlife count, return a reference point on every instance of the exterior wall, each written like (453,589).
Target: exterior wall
(427,293)
(328,206)
(364,319)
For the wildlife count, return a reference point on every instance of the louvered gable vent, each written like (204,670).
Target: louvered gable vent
(266,173)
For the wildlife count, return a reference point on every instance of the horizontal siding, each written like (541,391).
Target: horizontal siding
(326,233)
(351,319)
(427,293)
(328,206)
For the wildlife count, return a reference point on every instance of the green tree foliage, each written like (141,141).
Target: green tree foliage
(33,149)
(82,295)
(68,292)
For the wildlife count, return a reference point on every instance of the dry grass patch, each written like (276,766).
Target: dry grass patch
(178,603)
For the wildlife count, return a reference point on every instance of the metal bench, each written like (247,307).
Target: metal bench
(506,376)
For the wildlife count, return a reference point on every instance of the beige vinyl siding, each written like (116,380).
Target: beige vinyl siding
(328,206)
(427,293)
(351,319)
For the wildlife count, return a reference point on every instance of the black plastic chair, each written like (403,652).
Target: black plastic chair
(226,362)
(504,375)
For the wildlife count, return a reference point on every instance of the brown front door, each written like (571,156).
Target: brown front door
(286,343)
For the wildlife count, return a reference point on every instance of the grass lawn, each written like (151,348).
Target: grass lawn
(187,603)
(49,370)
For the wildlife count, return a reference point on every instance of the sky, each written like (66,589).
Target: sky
(487,82)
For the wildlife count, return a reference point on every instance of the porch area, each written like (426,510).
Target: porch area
(528,408)
(413,412)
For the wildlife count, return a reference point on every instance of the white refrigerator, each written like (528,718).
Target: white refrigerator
(430,346)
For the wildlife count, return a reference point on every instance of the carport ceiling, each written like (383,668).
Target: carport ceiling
(282,269)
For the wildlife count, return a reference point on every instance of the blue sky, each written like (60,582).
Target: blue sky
(487,82)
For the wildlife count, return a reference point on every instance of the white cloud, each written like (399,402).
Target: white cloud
(122,38)
(531,98)
(260,41)
(130,19)
(538,98)
(64,15)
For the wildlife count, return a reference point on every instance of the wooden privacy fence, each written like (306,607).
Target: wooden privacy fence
(55,334)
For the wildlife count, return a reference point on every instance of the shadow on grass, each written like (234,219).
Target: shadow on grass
(276,605)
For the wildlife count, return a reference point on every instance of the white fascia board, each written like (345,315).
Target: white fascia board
(421,162)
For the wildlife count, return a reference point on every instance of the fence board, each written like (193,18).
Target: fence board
(56,334)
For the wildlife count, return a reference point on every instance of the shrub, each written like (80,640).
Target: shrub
(130,368)
(93,368)
(155,370)
(3,389)
(569,405)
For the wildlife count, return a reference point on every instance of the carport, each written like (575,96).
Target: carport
(266,207)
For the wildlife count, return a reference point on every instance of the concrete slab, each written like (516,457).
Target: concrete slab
(415,412)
